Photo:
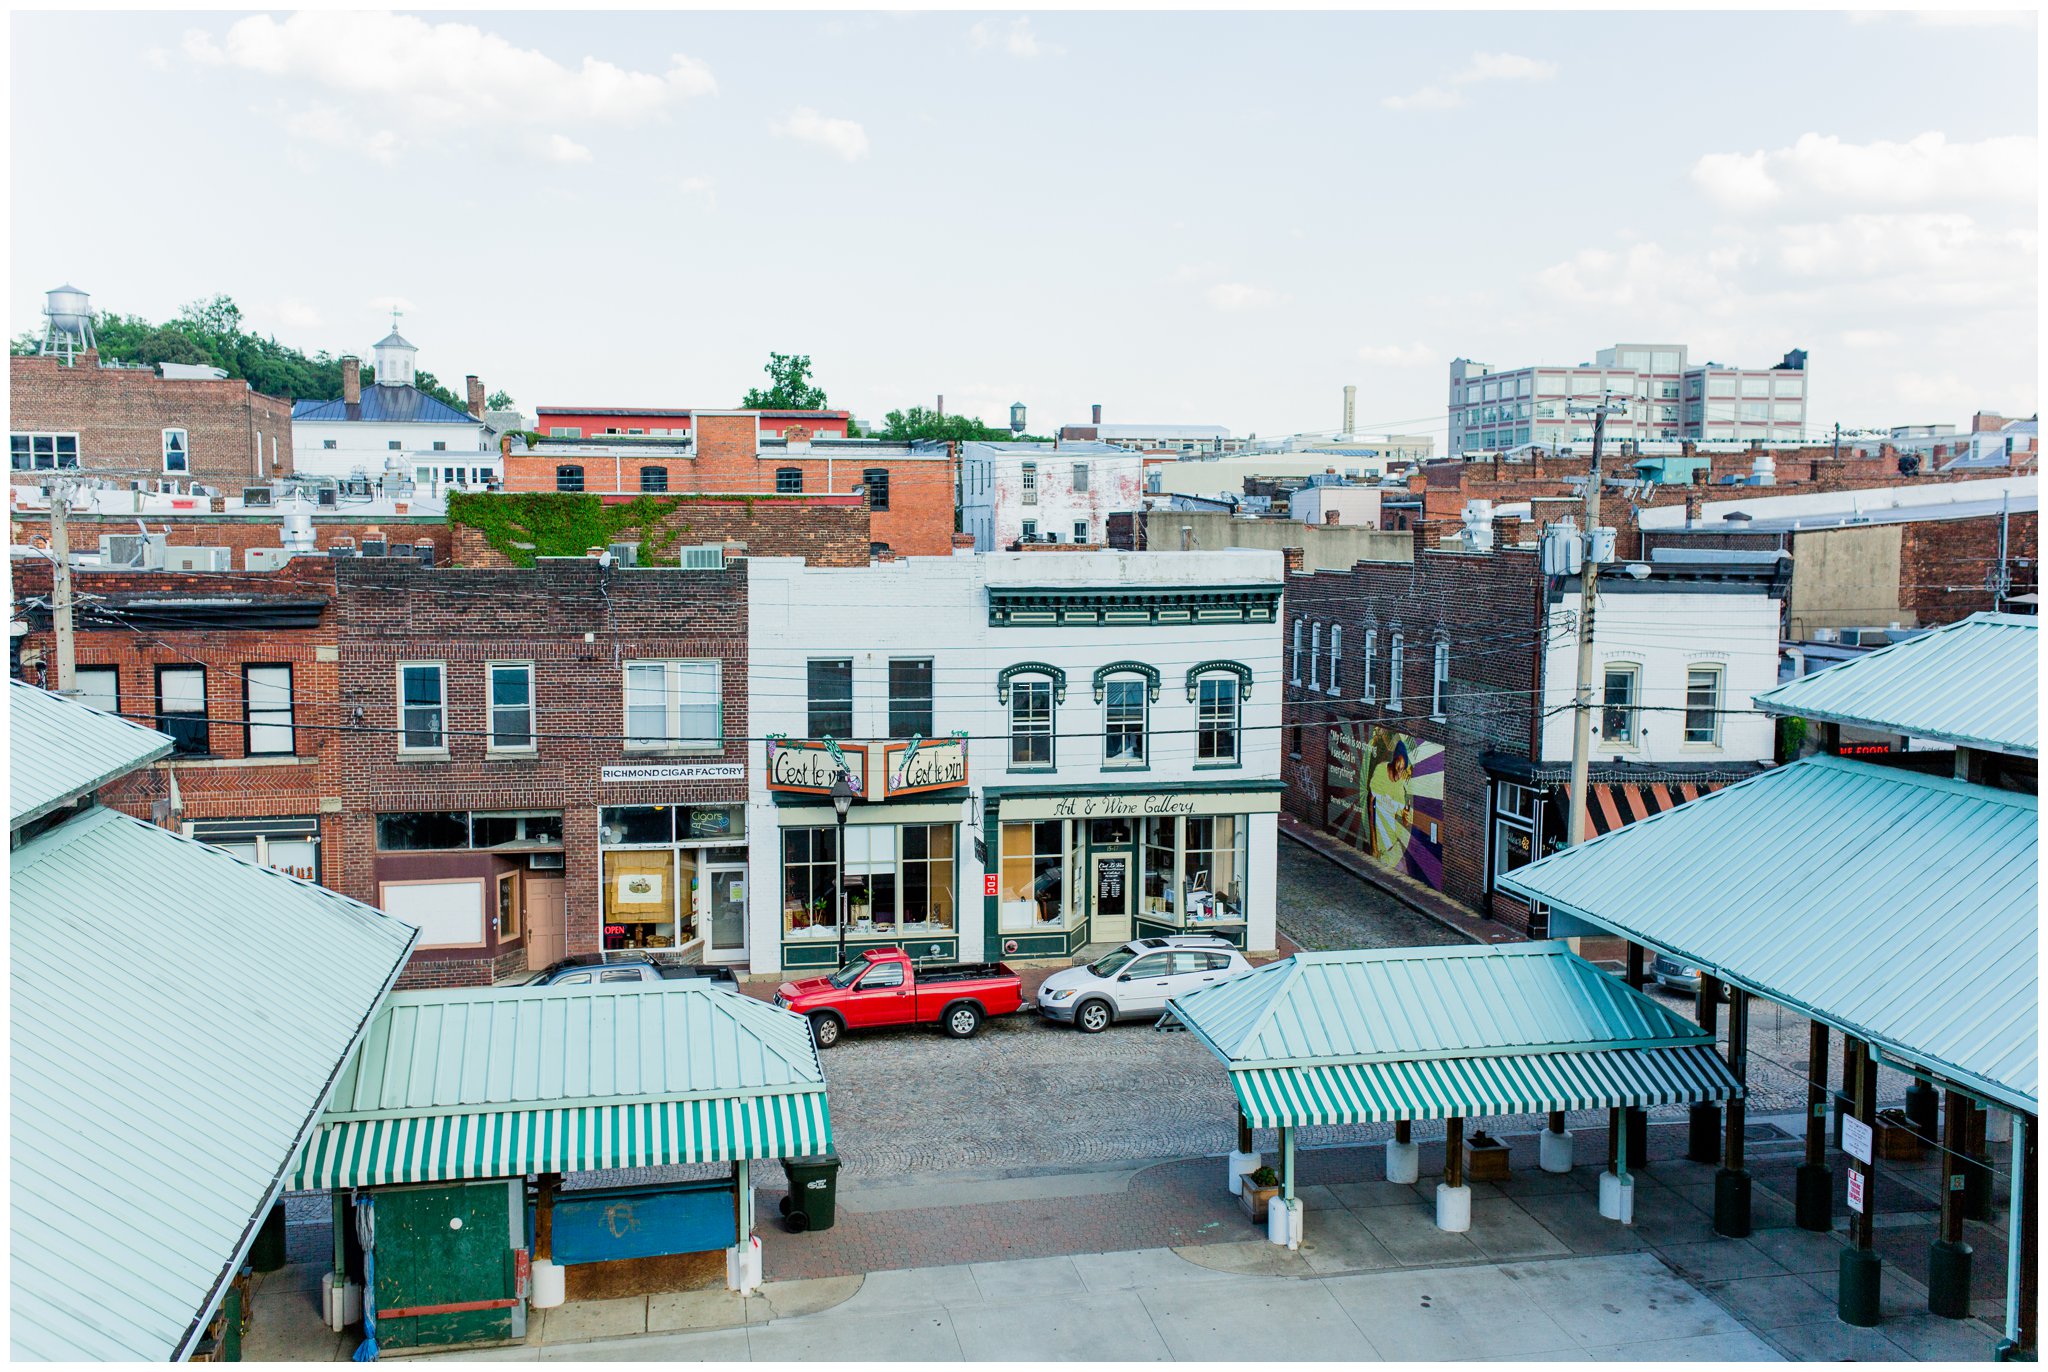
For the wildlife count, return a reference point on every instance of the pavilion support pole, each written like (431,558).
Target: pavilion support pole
(2023,1246)
(1703,1123)
(1634,1119)
(1976,1166)
(1857,1295)
(1245,1160)
(1732,1182)
(1453,1197)
(1283,1215)
(1948,1257)
(1404,1158)
(550,1282)
(1617,1188)
(1814,1183)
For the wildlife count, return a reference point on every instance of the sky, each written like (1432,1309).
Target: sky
(1185,217)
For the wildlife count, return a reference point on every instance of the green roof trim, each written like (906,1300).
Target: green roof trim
(1217,666)
(1128,667)
(1045,669)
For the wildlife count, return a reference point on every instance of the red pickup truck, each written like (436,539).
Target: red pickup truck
(882,987)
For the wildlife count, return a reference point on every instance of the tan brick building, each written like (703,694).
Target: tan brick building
(171,424)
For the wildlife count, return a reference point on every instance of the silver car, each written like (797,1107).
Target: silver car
(1136,980)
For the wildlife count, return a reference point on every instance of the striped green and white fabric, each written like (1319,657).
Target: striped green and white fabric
(515,1143)
(1473,1087)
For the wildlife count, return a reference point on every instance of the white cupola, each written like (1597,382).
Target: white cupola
(394,360)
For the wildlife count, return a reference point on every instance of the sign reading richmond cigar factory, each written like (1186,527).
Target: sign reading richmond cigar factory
(933,767)
(802,765)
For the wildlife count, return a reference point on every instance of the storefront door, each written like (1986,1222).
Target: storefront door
(1110,887)
(544,934)
(727,887)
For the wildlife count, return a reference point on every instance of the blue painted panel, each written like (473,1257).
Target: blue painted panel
(644,1221)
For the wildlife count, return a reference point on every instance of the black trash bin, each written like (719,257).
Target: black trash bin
(812,1202)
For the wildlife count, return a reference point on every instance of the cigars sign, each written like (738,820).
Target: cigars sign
(811,766)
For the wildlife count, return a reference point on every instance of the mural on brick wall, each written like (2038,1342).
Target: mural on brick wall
(1386,798)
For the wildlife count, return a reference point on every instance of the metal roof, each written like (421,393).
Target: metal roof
(1898,907)
(61,750)
(1974,683)
(442,1051)
(161,1085)
(383,405)
(1406,1003)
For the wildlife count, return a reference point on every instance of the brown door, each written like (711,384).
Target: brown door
(544,933)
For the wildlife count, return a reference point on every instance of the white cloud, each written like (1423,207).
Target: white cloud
(1238,296)
(2015,18)
(696,185)
(1398,355)
(297,314)
(561,148)
(1923,171)
(1869,338)
(1016,38)
(841,137)
(330,128)
(1484,67)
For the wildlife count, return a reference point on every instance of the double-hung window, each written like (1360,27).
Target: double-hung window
(99,688)
(1618,723)
(32,452)
(875,481)
(789,481)
(1315,656)
(1080,478)
(1394,675)
(181,709)
(1703,705)
(653,480)
(422,707)
(1216,719)
(267,710)
(910,697)
(676,704)
(1372,643)
(1336,658)
(1294,659)
(1030,478)
(512,728)
(829,690)
(1123,722)
(1031,719)
(177,451)
(1439,678)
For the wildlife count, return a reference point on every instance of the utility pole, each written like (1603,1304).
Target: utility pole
(1589,577)
(1838,440)
(60,588)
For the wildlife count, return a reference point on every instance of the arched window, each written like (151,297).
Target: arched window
(1336,656)
(653,480)
(876,480)
(1394,674)
(1372,643)
(1217,696)
(1315,655)
(1031,721)
(1123,721)
(1294,660)
(789,481)
(1439,678)
(568,477)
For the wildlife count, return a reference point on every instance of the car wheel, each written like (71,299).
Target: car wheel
(962,1021)
(1092,1018)
(825,1030)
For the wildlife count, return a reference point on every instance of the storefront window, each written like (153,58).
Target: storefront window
(424,829)
(1213,868)
(810,871)
(898,878)
(513,829)
(1159,867)
(1033,878)
(642,892)
(928,876)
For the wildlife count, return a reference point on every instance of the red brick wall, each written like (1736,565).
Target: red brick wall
(120,413)
(593,423)
(1943,564)
(467,618)
(239,532)
(824,534)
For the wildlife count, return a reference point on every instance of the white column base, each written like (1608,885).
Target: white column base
(550,1285)
(1242,1165)
(341,1301)
(1617,1198)
(1404,1162)
(1283,1222)
(1554,1151)
(1453,1208)
(743,1265)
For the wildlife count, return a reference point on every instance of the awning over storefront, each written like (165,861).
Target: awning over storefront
(1609,805)
(1436,1033)
(474,1084)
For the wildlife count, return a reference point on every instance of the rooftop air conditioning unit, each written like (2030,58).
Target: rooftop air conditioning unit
(266,559)
(255,497)
(199,559)
(328,497)
(136,552)
(373,546)
(628,555)
(709,557)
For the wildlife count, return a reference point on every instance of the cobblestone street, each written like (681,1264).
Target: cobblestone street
(1323,907)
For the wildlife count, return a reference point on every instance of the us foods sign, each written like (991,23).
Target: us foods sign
(933,767)
(800,765)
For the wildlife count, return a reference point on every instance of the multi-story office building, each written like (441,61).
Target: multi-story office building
(1671,399)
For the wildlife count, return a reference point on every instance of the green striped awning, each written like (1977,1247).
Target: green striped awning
(513,1143)
(1472,1087)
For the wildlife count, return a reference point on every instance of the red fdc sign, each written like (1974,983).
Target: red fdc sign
(988,885)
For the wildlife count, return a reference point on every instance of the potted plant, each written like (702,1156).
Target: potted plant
(1486,1157)
(1258,1191)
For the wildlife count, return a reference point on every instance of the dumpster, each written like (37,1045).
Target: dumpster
(813,1192)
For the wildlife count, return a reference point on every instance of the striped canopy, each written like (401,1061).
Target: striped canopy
(514,1143)
(1473,1087)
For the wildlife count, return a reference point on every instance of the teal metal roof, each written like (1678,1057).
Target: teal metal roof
(1974,683)
(178,1018)
(62,750)
(1898,907)
(449,1051)
(1383,1005)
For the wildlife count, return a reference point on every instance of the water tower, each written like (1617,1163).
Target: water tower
(69,330)
(1017,424)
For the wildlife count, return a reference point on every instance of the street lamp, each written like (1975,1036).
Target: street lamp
(842,801)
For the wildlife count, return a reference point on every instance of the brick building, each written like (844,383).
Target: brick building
(169,425)
(241,669)
(242,533)
(909,487)
(546,760)
(1428,714)
(828,531)
(600,422)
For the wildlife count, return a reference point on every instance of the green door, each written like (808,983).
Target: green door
(441,1247)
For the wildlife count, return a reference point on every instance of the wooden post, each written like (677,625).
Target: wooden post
(1454,1151)
(1635,1121)
(1814,1183)
(1703,1121)
(1976,1166)
(1404,1132)
(544,1216)
(1857,1297)
(1286,1163)
(1948,1257)
(1732,1183)
(1244,1133)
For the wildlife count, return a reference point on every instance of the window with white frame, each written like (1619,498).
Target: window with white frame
(1030,478)
(181,709)
(1336,658)
(422,707)
(1315,656)
(1371,646)
(1294,659)
(1216,720)
(678,704)
(99,688)
(1620,686)
(1703,705)
(1123,721)
(1439,678)
(512,725)
(267,709)
(42,452)
(1394,674)
(177,451)
(1515,813)
(1031,721)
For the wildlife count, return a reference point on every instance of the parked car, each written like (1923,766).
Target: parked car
(1136,980)
(883,987)
(1666,970)
(594,969)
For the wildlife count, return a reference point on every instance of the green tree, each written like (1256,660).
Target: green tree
(792,387)
(917,422)
(500,400)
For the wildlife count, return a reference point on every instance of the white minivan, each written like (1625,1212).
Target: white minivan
(1136,980)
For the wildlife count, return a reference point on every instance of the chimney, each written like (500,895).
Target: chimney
(1329,516)
(1187,538)
(1426,537)
(1695,502)
(351,381)
(942,407)
(1095,415)
(1507,530)
(476,397)
(1350,410)
(1293,558)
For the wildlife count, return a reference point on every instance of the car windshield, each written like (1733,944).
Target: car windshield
(843,978)
(1111,965)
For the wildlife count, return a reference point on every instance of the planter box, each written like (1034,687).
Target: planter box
(1486,1161)
(1255,1199)
(1896,1140)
